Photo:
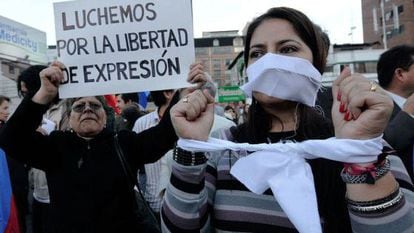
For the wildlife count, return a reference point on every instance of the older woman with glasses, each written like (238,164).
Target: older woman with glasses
(88,189)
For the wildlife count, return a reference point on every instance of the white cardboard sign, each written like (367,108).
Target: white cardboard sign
(112,46)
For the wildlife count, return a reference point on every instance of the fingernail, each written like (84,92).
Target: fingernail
(342,108)
(350,117)
(338,97)
(346,116)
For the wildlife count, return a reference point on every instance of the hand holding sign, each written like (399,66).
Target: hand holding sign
(50,79)
(196,76)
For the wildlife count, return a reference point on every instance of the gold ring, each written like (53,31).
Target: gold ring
(373,86)
(185,99)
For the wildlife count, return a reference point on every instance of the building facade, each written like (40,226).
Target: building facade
(216,51)
(20,47)
(393,18)
(360,58)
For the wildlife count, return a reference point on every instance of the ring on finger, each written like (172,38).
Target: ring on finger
(185,99)
(373,86)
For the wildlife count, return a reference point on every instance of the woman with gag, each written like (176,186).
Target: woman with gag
(341,184)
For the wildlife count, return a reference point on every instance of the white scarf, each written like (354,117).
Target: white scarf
(283,168)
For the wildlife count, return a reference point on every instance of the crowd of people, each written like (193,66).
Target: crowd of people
(208,167)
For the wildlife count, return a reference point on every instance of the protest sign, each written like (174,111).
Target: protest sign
(123,46)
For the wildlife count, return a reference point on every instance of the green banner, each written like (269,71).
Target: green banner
(230,94)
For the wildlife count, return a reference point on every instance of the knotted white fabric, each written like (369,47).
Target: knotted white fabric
(283,168)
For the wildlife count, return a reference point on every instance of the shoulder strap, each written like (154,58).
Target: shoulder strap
(132,180)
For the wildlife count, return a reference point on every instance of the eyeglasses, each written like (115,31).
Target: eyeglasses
(82,106)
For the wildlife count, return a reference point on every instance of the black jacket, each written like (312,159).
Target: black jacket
(400,135)
(87,186)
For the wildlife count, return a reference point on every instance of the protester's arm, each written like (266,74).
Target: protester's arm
(188,198)
(19,137)
(185,205)
(398,218)
(160,138)
(50,79)
(364,114)
(150,144)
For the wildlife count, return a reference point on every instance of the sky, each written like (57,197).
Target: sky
(341,19)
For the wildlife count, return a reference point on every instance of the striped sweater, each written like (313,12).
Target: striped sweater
(206,198)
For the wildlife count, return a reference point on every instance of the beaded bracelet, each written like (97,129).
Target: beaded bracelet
(188,158)
(354,174)
(379,205)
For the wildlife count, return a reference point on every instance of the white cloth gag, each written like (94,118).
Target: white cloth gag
(284,77)
(283,168)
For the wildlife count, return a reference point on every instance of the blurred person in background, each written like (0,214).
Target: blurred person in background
(395,69)
(128,104)
(4,109)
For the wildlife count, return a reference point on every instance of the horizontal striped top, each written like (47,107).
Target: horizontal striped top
(206,198)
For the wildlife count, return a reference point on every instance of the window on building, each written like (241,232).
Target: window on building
(12,69)
(388,15)
(222,50)
(201,51)
(216,42)
(401,9)
(388,34)
(216,64)
(359,67)
(365,67)
(238,49)
(401,29)
(328,69)
(395,31)
(217,74)
(238,41)
(371,67)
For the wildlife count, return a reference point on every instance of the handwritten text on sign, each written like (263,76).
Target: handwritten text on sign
(110,47)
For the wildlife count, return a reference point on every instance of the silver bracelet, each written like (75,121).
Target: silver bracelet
(379,207)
